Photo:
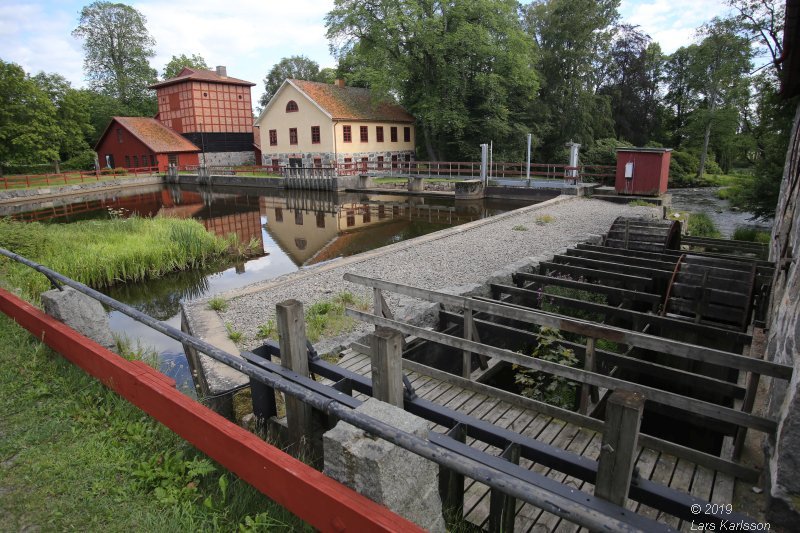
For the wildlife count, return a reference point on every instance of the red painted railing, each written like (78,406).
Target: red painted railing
(27,181)
(319,500)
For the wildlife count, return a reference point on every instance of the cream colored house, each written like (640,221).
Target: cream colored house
(311,124)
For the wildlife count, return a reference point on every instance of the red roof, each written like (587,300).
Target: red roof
(351,103)
(190,74)
(159,138)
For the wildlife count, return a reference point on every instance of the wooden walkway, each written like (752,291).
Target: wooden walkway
(659,467)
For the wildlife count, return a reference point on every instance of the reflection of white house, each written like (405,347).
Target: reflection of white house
(316,124)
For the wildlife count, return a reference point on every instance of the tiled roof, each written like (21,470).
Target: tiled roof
(351,103)
(200,75)
(159,138)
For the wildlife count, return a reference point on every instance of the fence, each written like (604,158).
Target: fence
(28,181)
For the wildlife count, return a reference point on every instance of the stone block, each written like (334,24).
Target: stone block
(82,313)
(399,479)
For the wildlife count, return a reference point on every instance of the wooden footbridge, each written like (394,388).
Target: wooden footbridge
(665,387)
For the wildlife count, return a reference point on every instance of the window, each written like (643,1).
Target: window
(276,164)
(320,219)
(351,219)
(408,157)
(278,214)
(144,160)
(364,163)
(407,134)
(379,133)
(364,134)
(394,161)
(152,160)
(273,138)
(127,161)
(301,243)
(119,135)
(367,216)
(317,162)
(292,135)
(380,162)
(393,133)
(347,134)
(291,107)
(314,134)
(298,217)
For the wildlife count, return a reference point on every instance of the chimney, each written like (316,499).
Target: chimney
(339,82)
(222,72)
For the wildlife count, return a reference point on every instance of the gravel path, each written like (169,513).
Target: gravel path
(455,260)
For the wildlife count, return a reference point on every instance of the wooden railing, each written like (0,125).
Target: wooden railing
(29,181)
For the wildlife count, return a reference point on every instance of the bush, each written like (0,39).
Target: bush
(554,390)
(701,225)
(604,152)
(751,234)
(81,161)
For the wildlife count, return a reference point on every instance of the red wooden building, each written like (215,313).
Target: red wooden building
(642,171)
(139,142)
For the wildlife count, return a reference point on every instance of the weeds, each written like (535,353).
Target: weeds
(235,336)
(218,304)
(520,228)
(640,203)
(327,318)
(751,234)
(548,388)
(268,330)
(541,220)
(701,225)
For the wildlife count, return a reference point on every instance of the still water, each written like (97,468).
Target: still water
(292,230)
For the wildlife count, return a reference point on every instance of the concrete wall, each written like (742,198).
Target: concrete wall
(783,346)
(229,158)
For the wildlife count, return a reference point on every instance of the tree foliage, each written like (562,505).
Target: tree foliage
(295,67)
(29,132)
(117,49)
(465,69)
(177,63)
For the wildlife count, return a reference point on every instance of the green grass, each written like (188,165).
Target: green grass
(751,234)
(101,253)
(268,330)
(75,456)
(640,203)
(218,304)
(520,227)
(235,336)
(701,225)
(541,220)
(327,318)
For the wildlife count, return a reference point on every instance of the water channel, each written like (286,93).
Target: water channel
(292,229)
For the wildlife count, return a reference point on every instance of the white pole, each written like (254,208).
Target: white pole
(528,168)
(491,156)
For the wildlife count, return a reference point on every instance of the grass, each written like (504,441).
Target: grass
(701,225)
(520,227)
(327,318)
(268,330)
(101,253)
(235,336)
(751,234)
(640,203)
(75,456)
(541,220)
(218,304)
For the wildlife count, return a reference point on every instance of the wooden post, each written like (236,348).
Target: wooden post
(451,483)
(588,391)
(469,327)
(502,507)
(747,407)
(618,452)
(294,356)
(387,366)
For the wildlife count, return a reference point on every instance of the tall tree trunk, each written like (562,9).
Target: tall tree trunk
(426,135)
(704,153)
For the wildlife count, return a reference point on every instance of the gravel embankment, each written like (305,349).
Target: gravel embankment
(455,260)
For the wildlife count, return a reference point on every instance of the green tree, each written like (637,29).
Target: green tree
(464,68)
(117,49)
(29,133)
(177,63)
(72,114)
(295,67)
(575,39)
(762,21)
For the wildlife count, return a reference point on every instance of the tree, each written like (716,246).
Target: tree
(175,65)
(296,67)
(72,114)
(762,21)
(29,133)
(464,69)
(574,39)
(118,47)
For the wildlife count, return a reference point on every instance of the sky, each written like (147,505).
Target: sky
(249,36)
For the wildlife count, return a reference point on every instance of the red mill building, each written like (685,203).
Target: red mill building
(211,110)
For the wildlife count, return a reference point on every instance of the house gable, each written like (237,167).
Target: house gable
(275,117)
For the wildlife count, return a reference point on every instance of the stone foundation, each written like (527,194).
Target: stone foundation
(327,158)
(228,159)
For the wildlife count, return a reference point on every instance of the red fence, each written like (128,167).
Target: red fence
(319,500)
(28,181)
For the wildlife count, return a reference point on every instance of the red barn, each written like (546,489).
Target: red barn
(137,142)
(642,171)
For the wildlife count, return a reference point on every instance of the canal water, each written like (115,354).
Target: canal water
(292,230)
(725,217)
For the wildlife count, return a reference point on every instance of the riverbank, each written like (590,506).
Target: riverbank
(457,260)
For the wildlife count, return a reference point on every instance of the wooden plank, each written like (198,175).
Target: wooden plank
(632,295)
(692,405)
(644,272)
(580,327)
(285,480)
(615,258)
(619,450)
(387,373)
(294,356)
(629,280)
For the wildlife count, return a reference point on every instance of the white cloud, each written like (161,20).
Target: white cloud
(671,23)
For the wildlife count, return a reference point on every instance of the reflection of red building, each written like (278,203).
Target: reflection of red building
(137,142)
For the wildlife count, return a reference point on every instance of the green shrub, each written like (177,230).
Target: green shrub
(604,152)
(81,161)
(554,390)
(520,227)
(751,234)
(701,225)
(218,304)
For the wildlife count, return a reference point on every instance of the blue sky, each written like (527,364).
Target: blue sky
(249,36)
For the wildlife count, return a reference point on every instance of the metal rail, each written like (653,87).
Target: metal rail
(515,487)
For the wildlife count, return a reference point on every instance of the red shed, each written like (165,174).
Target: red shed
(142,142)
(642,171)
